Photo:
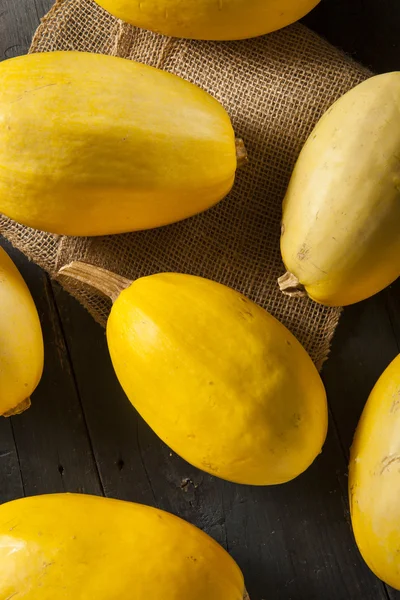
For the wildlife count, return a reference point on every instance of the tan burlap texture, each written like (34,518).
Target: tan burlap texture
(275,88)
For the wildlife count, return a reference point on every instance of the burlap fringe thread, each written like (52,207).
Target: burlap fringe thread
(275,88)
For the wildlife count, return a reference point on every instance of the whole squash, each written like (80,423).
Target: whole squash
(76,547)
(219,380)
(93,144)
(341,215)
(374,478)
(21,341)
(210,19)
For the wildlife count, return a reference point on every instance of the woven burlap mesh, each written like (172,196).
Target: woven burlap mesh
(275,88)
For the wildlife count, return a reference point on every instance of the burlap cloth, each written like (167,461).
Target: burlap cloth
(275,88)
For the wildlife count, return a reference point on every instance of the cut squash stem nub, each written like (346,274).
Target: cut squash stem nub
(106,282)
(241,153)
(291,286)
(20,408)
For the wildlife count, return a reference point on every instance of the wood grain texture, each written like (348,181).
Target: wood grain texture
(292,541)
(18,21)
(11,485)
(53,447)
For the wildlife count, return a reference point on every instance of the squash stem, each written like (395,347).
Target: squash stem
(291,286)
(107,283)
(20,408)
(246,595)
(241,153)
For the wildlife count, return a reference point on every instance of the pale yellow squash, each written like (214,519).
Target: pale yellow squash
(210,19)
(341,215)
(93,144)
(374,478)
(21,342)
(76,547)
(221,381)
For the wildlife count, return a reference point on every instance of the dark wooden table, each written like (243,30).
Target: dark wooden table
(81,434)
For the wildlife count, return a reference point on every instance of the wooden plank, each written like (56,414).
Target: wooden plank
(305,548)
(18,21)
(53,448)
(363,347)
(368,338)
(11,486)
(393,309)
(111,421)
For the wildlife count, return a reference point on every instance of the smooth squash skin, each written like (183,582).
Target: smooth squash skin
(341,215)
(374,478)
(76,547)
(219,380)
(93,144)
(21,342)
(210,19)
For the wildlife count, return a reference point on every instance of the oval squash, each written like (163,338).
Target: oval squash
(93,145)
(76,547)
(219,380)
(374,478)
(210,19)
(341,215)
(21,342)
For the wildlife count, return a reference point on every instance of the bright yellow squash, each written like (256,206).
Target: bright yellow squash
(210,19)
(21,342)
(374,478)
(76,547)
(93,144)
(341,215)
(221,381)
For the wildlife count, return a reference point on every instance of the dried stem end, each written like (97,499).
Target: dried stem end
(107,283)
(241,153)
(246,596)
(291,286)
(20,408)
